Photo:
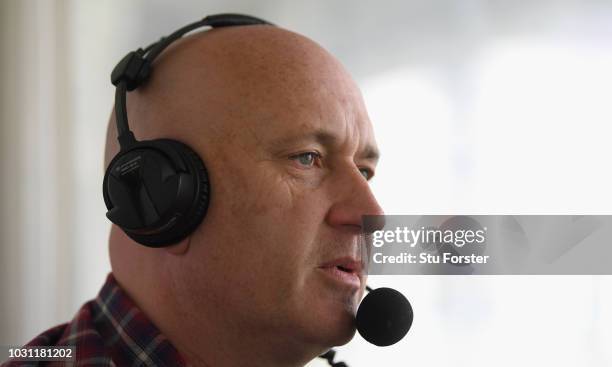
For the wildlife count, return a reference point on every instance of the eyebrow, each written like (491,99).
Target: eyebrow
(325,138)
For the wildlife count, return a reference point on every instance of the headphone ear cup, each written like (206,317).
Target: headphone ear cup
(201,197)
(157,192)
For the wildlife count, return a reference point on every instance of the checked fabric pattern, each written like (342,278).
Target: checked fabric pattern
(109,331)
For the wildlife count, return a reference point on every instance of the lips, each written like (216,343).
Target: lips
(345,270)
(347,264)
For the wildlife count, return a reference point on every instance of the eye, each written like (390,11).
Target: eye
(366,173)
(307,159)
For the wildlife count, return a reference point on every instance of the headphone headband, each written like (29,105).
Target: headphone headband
(135,67)
(157,191)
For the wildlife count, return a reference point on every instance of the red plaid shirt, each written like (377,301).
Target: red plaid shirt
(110,331)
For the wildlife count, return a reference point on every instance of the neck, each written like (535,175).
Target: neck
(209,337)
(203,349)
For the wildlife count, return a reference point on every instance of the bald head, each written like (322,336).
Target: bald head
(289,149)
(209,85)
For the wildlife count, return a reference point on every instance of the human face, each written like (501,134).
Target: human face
(289,193)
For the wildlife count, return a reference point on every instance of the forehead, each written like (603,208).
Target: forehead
(327,123)
(322,105)
(271,85)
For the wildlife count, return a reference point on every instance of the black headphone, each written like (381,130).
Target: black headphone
(157,191)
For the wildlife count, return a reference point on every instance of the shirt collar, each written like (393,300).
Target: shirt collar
(128,331)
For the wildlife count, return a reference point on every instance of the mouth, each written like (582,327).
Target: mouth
(346,271)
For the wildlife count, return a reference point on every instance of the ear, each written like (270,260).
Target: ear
(180,248)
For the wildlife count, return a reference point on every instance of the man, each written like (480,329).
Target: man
(271,277)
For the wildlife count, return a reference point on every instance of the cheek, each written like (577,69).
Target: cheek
(268,195)
(270,220)
(281,221)
(277,224)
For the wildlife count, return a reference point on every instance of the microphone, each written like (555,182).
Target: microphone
(384,317)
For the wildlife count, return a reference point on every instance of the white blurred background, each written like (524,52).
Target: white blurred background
(480,107)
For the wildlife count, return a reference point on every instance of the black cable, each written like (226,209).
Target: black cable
(329,356)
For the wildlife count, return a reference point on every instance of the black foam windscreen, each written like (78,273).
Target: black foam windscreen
(384,317)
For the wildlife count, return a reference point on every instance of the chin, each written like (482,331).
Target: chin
(334,324)
(344,337)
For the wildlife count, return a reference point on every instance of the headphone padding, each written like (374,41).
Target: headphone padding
(199,198)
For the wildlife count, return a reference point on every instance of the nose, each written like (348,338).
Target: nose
(352,201)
